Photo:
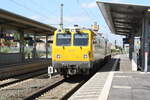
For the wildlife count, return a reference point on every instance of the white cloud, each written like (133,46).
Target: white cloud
(68,20)
(89,5)
(76,19)
(34,17)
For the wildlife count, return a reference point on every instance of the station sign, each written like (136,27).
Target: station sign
(95,27)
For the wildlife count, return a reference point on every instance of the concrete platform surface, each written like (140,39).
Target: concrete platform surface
(128,85)
(116,83)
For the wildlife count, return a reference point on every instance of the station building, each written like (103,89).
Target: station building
(21,38)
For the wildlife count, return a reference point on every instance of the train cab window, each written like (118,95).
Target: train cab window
(63,39)
(81,39)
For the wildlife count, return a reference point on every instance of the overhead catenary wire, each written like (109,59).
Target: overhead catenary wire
(46,10)
(91,11)
(31,10)
(84,10)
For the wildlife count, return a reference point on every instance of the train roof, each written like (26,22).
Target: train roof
(73,29)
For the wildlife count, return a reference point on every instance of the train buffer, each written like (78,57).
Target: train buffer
(116,81)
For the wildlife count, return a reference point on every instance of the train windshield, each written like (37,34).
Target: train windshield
(63,39)
(80,39)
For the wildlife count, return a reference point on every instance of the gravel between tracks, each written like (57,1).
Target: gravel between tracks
(58,92)
(20,90)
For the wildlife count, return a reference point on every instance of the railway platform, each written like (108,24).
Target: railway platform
(115,81)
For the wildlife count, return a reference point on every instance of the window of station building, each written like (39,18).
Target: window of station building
(80,39)
(41,46)
(63,39)
(9,42)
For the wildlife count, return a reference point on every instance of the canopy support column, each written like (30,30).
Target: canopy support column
(34,52)
(146,42)
(46,46)
(1,33)
(21,43)
(131,46)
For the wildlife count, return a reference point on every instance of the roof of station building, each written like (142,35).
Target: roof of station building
(23,23)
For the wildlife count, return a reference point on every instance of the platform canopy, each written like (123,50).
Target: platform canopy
(12,20)
(123,19)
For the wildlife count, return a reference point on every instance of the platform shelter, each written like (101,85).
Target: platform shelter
(131,21)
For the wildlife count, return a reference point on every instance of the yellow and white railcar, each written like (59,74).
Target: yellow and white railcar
(74,51)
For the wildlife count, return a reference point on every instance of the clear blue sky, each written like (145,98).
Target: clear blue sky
(81,12)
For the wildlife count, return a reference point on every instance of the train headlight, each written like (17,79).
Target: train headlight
(85,56)
(57,56)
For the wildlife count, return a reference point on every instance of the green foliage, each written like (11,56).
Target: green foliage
(16,36)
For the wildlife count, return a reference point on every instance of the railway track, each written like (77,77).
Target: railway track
(15,70)
(43,90)
(40,87)
(19,78)
(72,91)
(60,90)
(19,90)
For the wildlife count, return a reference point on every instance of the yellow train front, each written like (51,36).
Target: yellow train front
(72,51)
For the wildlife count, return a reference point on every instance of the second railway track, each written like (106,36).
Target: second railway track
(21,89)
(19,78)
(8,71)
